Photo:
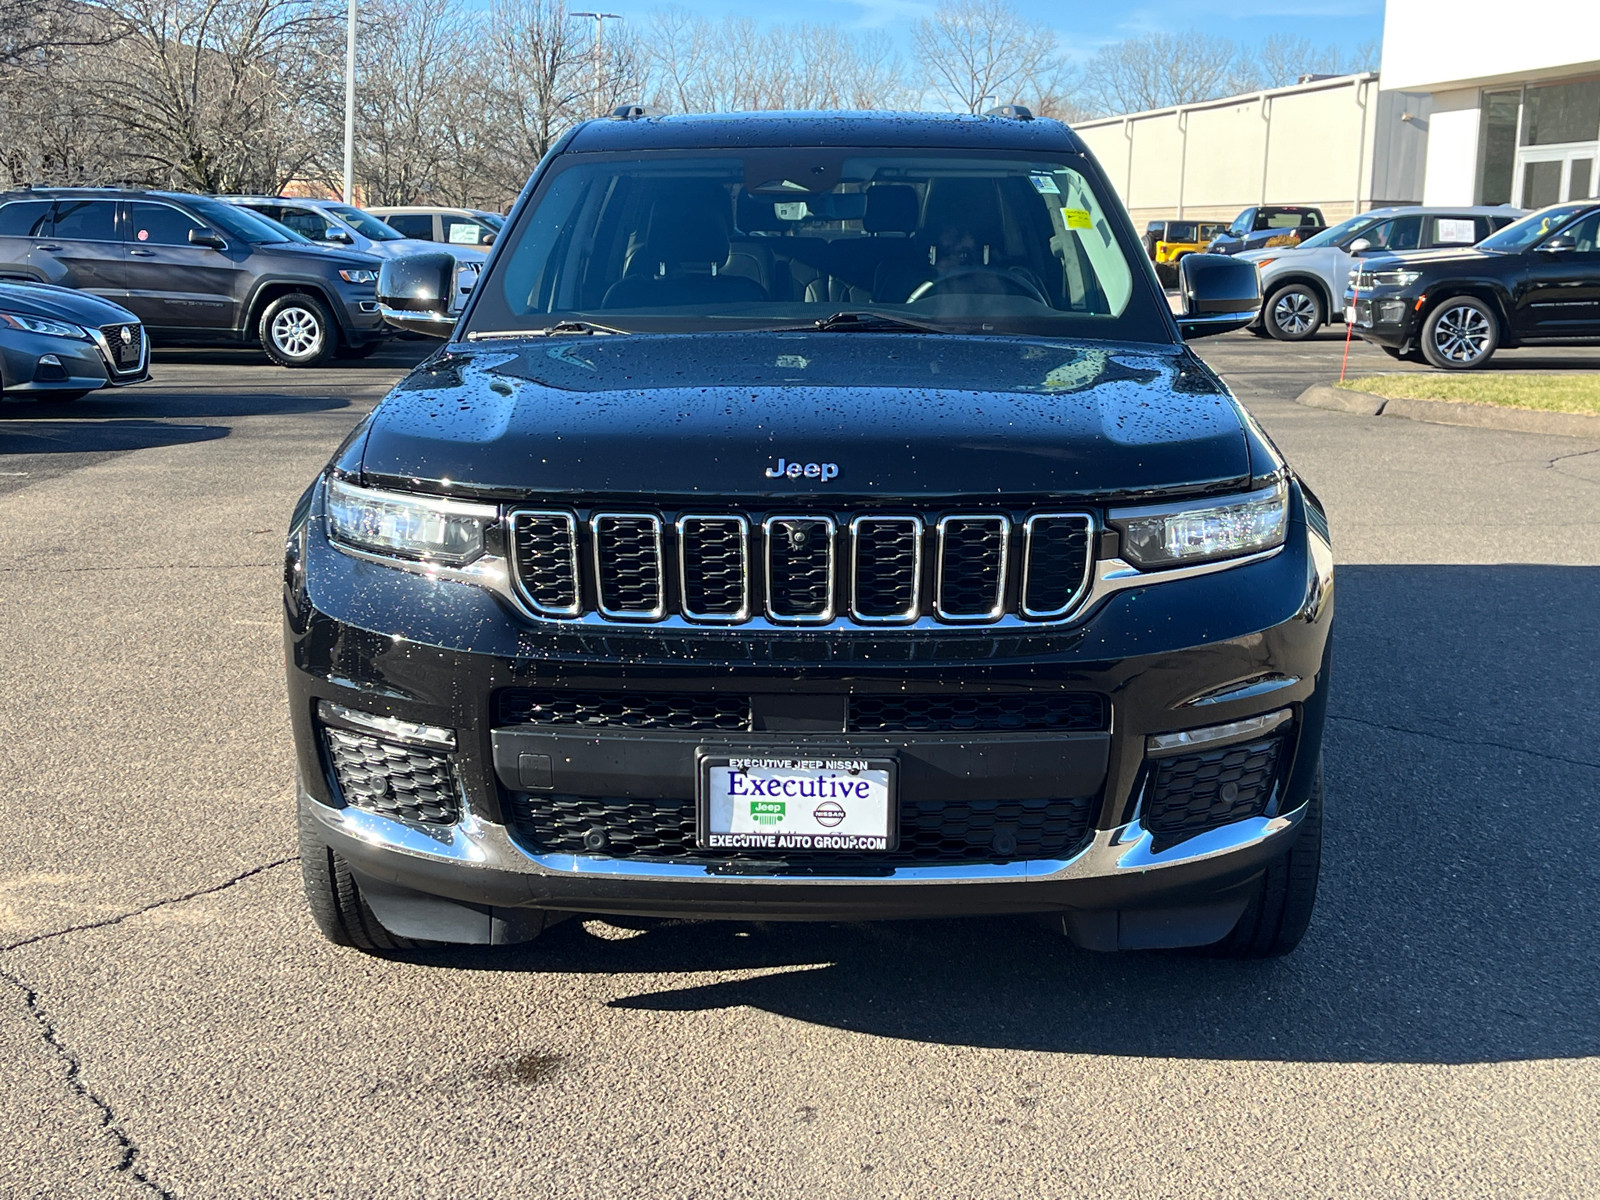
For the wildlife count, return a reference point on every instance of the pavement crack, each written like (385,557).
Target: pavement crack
(1442,737)
(152,906)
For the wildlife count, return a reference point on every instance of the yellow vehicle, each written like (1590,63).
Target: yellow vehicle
(1168,241)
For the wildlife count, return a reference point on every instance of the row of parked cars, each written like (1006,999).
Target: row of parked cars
(1446,285)
(89,278)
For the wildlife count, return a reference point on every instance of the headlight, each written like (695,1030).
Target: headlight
(359,276)
(1177,534)
(1372,279)
(449,532)
(41,325)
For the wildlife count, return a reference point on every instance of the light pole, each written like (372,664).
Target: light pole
(600,19)
(350,106)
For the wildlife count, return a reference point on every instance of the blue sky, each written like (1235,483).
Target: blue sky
(1081,27)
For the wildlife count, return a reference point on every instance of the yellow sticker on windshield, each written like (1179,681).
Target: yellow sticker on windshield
(1077,218)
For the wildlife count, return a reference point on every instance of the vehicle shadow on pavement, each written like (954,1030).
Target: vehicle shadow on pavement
(99,436)
(1457,917)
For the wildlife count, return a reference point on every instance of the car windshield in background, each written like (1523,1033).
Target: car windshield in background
(241,222)
(786,237)
(364,223)
(1519,235)
(1336,234)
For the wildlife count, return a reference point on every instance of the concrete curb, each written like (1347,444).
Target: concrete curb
(1448,412)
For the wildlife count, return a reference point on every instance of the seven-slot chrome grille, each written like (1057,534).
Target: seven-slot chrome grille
(799,568)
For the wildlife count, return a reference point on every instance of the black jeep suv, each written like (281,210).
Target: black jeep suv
(1536,282)
(195,270)
(812,517)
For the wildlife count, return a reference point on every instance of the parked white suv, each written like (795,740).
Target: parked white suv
(1303,285)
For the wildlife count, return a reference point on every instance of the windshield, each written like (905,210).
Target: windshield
(1336,234)
(494,220)
(252,227)
(363,223)
(780,237)
(1519,235)
(287,234)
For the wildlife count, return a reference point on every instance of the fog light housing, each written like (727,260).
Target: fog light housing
(49,370)
(1391,312)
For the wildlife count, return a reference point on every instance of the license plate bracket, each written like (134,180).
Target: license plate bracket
(799,801)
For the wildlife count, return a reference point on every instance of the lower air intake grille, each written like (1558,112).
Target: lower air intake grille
(394,780)
(628,710)
(1196,792)
(971,831)
(1067,711)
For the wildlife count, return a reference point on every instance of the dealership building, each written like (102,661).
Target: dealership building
(1471,105)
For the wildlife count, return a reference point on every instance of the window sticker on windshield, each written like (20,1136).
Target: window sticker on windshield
(1077,218)
(1045,184)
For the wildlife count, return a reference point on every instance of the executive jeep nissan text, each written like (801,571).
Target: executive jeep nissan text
(812,517)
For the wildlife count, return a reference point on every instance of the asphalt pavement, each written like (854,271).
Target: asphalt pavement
(172,1024)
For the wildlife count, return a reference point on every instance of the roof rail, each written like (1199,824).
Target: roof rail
(634,112)
(1015,112)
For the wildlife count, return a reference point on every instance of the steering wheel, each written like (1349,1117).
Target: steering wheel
(1011,285)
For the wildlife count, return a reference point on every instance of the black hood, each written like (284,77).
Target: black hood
(63,304)
(1448,257)
(892,416)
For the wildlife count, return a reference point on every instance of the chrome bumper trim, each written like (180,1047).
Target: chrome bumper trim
(1127,849)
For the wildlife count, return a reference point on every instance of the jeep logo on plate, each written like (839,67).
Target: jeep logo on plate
(794,470)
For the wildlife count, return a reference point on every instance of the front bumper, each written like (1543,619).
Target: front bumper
(1386,320)
(36,363)
(1197,652)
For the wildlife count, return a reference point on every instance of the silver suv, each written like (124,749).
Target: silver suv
(1302,284)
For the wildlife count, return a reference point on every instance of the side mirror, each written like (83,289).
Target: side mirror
(1359,246)
(417,293)
(1220,294)
(338,235)
(1555,245)
(202,237)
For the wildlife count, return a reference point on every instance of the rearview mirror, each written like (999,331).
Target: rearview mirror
(1220,294)
(1555,245)
(1360,246)
(417,293)
(204,237)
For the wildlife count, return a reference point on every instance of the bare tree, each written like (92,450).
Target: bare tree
(1164,69)
(975,53)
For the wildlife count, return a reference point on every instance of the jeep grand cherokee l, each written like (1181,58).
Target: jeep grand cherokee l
(812,517)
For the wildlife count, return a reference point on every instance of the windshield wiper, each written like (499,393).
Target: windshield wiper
(864,322)
(545,331)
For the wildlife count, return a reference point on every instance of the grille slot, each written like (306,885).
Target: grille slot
(1070,712)
(393,780)
(800,554)
(629,710)
(936,831)
(714,567)
(545,556)
(627,561)
(1195,792)
(972,567)
(1055,571)
(885,568)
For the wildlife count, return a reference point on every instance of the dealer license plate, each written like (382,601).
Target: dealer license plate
(797,802)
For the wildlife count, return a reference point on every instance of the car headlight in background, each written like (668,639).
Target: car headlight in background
(43,325)
(1396,278)
(358,275)
(1174,535)
(432,529)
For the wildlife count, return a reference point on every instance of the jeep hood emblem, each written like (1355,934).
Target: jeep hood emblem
(794,470)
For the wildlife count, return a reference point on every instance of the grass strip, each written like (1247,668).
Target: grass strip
(1577,392)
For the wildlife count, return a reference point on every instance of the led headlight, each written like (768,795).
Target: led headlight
(1175,535)
(430,528)
(1372,279)
(42,325)
(357,275)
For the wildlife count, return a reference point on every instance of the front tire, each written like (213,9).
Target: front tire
(337,906)
(1293,313)
(1461,334)
(296,331)
(1280,910)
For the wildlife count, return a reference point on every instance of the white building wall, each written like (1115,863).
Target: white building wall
(1429,45)
(1452,172)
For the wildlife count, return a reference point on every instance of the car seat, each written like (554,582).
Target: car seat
(682,257)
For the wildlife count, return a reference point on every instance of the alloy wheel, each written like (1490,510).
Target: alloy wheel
(1295,313)
(1462,334)
(297,332)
